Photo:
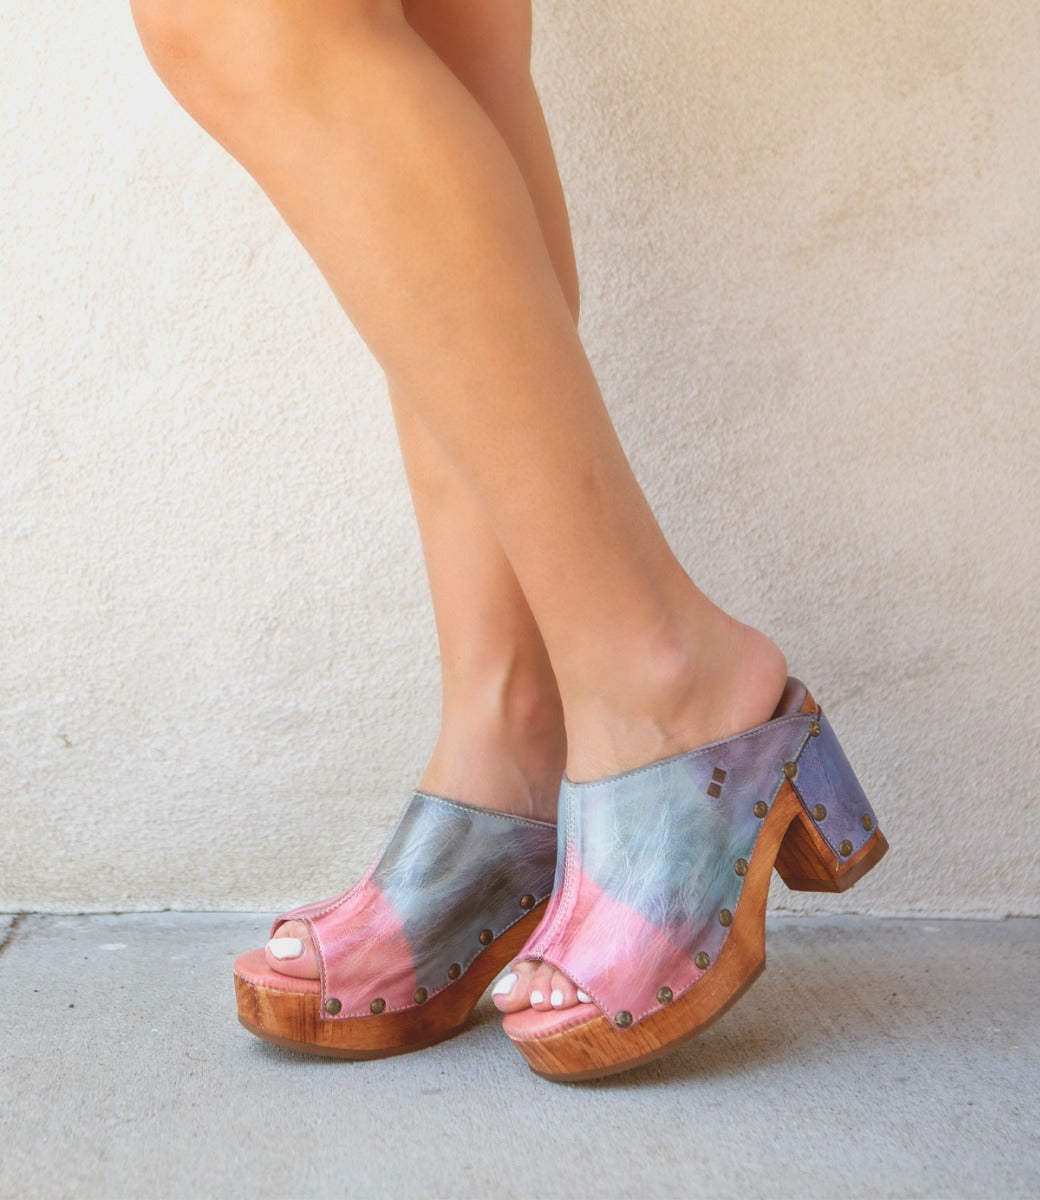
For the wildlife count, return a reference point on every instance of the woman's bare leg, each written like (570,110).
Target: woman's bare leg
(411,203)
(501,742)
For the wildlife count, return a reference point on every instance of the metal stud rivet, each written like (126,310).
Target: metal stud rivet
(725,917)
(845,849)
(814,728)
(420,996)
(790,770)
(867,822)
(819,812)
(740,866)
(332,1007)
(454,971)
(377,1006)
(623,1019)
(527,902)
(703,961)
(664,996)
(486,937)
(760,809)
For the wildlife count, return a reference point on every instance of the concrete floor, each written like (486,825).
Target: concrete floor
(874,1058)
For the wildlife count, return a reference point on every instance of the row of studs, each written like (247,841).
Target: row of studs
(486,937)
(703,960)
(819,811)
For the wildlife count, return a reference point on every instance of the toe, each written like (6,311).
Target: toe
(541,987)
(512,992)
(535,985)
(563,993)
(291,951)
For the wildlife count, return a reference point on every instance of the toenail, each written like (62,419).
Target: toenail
(556,998)
(584,997)
(537,998)
(505,985)
(285,947)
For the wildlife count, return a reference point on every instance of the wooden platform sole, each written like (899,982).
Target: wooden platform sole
(598,1048)
(291,1016)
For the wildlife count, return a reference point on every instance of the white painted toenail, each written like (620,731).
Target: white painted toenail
(584,997)
(505,985)
(556,998)
(285,947)
(537,998)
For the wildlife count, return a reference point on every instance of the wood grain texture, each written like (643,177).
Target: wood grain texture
(807,864)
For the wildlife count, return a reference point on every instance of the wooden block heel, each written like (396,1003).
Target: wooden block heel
(834,840)
(807,864)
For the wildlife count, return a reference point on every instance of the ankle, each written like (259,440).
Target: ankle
(488,770)
(690,682)
(502,744)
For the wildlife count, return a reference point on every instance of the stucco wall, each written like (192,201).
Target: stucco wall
(809,233)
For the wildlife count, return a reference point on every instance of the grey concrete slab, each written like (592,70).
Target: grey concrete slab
(874,1058)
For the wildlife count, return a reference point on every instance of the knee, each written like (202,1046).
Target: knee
(203,49)
(184,41)
(171,31)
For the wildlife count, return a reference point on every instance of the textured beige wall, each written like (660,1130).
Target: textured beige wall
(810,241)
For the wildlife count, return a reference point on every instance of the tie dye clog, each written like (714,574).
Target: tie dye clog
(658,911)
(407,952)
